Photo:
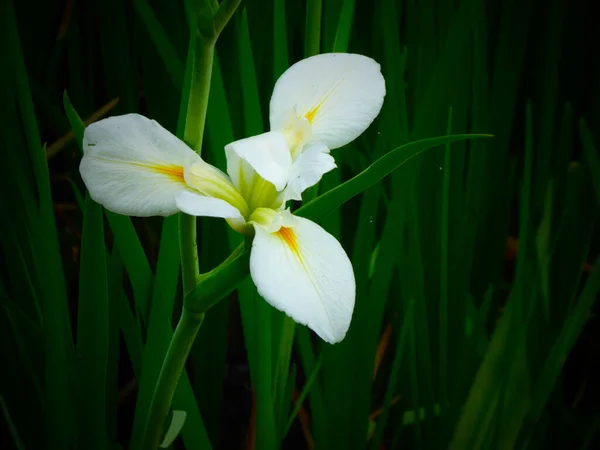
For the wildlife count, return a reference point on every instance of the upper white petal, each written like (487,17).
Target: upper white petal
(339,93)
(303,271)
(267,154)
(133,166)
(307,170)
(200,205)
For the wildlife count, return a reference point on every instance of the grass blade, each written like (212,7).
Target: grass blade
(92,332)
(407,324)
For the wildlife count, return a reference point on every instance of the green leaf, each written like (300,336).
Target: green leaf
(11,426)
(92,332)
(305,390)
(41,232)
(177,422)
(318,208)
(407,324)
(566,339)
(312,42)
(161,42)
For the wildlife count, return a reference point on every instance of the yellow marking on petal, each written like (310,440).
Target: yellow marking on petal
(173,172)
(287,235)
(313,112)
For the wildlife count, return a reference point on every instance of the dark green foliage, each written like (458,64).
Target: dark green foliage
(476,261)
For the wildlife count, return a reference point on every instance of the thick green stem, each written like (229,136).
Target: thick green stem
(204,50)
(190,322)
(177,354)
(197,105)
(189,252)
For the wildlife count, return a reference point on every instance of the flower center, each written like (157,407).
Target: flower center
(262,194)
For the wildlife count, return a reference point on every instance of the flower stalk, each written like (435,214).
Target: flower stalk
(197,104)
(171,370)
(204,50)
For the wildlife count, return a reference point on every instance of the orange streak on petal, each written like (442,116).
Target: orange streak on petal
(173,172)
(288,236)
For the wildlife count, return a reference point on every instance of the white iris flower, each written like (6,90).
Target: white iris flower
(133,166)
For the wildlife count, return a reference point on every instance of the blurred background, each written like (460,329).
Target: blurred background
(476,263)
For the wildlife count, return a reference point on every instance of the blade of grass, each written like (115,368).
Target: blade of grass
(57,327)
(14,433)
(502,379)
(161,42)
(407,324)
(315,395)
(115,291)
(344,27)
(117,55)
(312,44)
(92,332)
(443,331)
(415,385)
(305,390)
(280,53)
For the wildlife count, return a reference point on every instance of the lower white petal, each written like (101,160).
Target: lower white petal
(308,169)
(303,271)
(200,205)
(133,166)
(267,154)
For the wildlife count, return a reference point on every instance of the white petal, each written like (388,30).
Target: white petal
(200,205)
(339,93)
(307,170)
(267,154)
(303,271)
(133,166)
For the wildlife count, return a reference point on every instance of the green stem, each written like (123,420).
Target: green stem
(224,13)
(197,104)
(177,354)
(189,324)
(189,252)
(204,50)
